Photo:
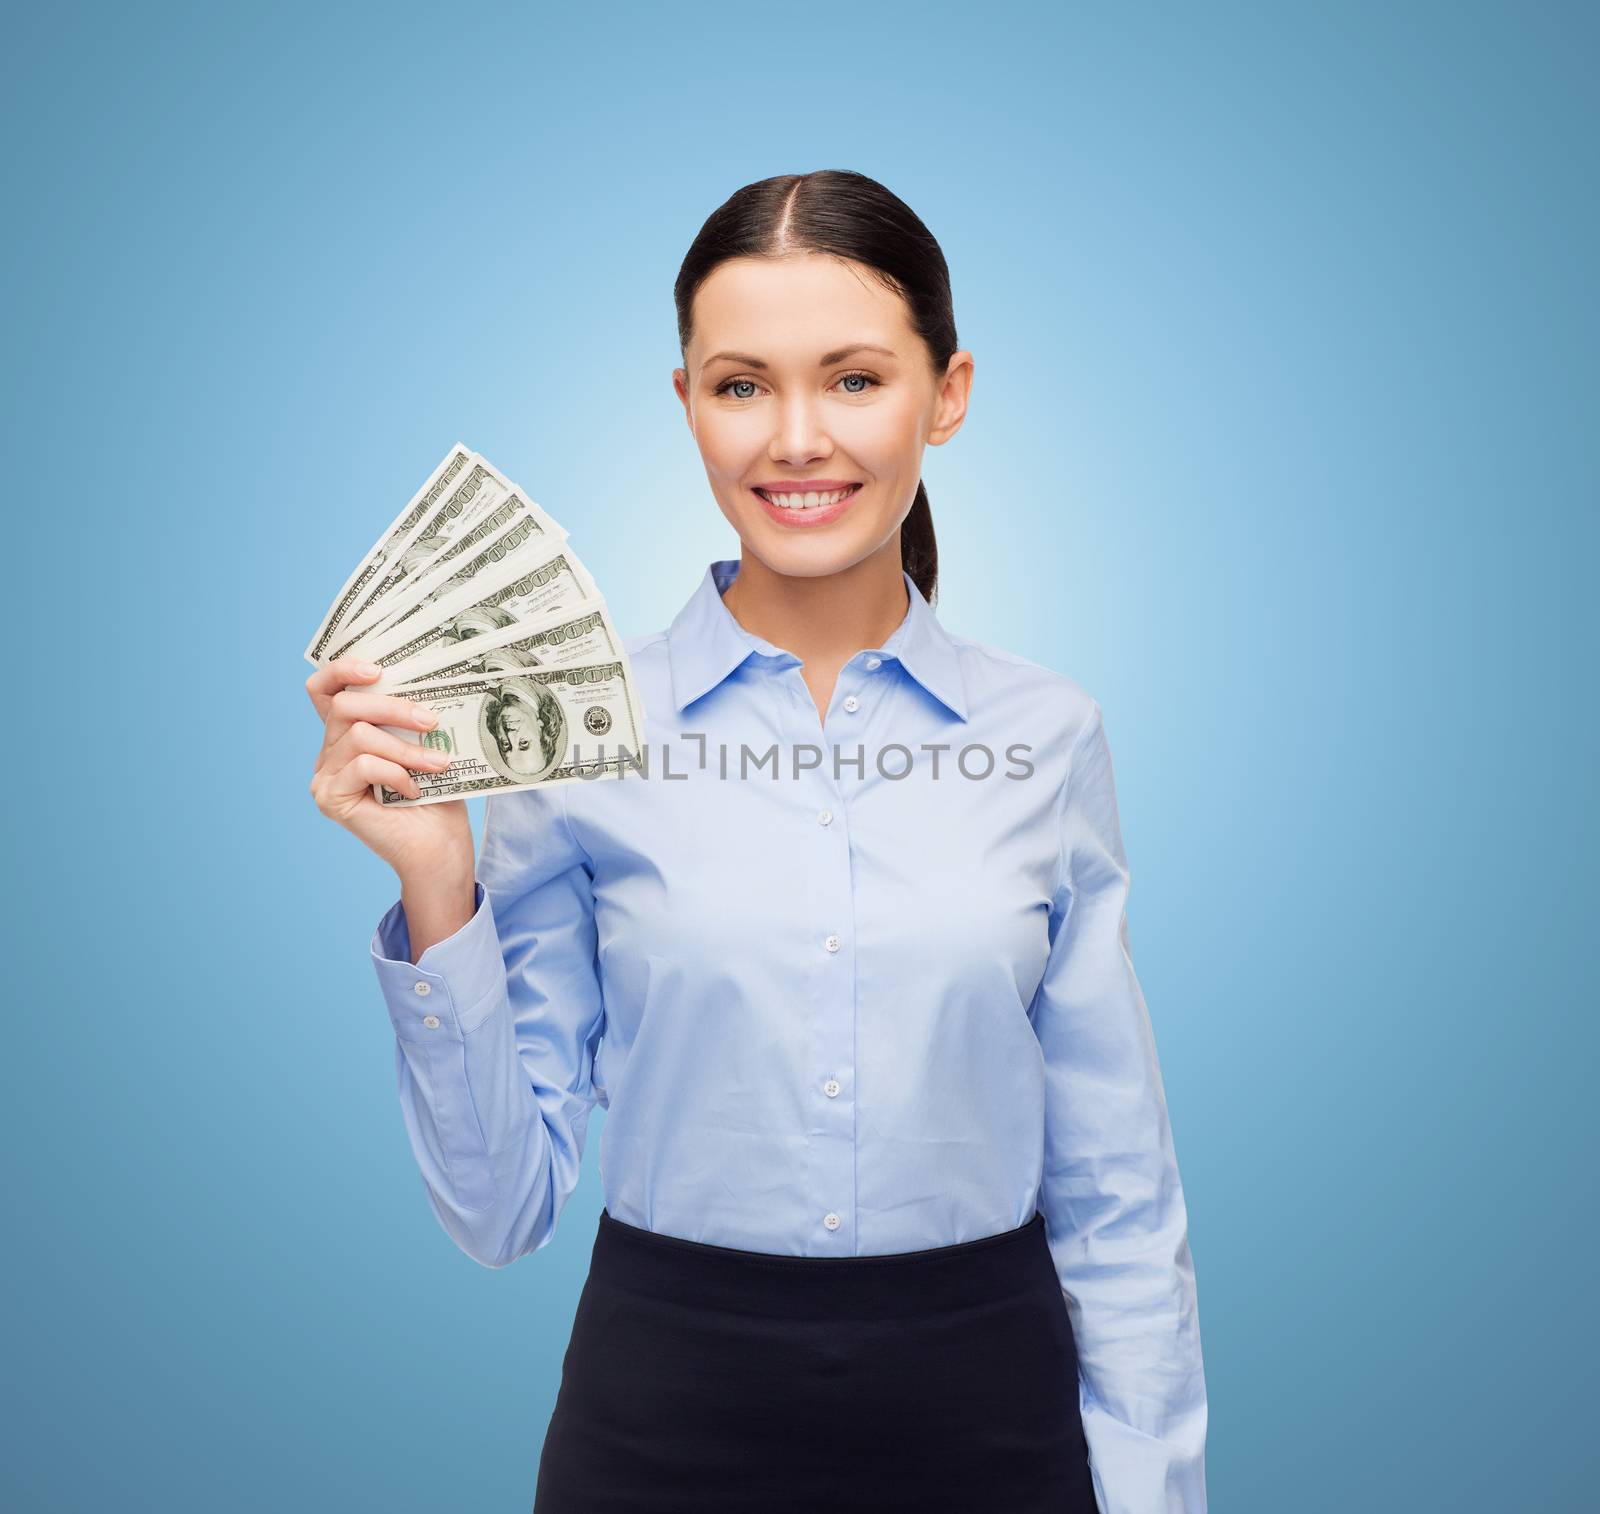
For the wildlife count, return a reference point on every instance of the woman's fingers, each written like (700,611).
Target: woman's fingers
(327,680)
(355,752)
(362,736)
(350,705)
(335,789)
(340,703)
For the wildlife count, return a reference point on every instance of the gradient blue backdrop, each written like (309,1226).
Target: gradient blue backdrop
(1282,443)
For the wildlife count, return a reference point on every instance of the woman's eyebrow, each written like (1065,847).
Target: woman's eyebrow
(827,360)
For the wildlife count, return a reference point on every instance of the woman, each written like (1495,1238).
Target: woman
(893,1218)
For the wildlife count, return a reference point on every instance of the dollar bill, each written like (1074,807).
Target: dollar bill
(359,584)
(479,641)
(476,489)
(525,728)
(513,524)
(516,590)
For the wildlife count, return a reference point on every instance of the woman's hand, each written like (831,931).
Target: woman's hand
(420,842)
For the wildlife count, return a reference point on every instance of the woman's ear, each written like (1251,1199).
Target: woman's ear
(680,387)
(954,393)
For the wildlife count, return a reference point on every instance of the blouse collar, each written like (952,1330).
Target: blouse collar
(705,644)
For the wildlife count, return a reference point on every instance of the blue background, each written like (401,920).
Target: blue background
(1282,443)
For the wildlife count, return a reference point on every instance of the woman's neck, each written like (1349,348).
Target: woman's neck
(823,620)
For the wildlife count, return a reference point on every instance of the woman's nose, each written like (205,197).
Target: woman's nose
(800,438)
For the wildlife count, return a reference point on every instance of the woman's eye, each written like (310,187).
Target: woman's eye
(733,387)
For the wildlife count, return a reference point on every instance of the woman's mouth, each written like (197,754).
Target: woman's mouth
(806,507)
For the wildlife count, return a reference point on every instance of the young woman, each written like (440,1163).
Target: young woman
(892,1214)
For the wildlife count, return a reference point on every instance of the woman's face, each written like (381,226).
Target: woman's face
(806,371)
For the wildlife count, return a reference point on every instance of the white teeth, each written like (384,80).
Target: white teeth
(808,501)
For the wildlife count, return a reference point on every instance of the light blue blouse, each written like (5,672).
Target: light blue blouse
(842,987)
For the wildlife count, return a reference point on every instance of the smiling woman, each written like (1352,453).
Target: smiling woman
(892,1214)
(820,358)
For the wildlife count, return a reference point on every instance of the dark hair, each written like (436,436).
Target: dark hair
(845,215)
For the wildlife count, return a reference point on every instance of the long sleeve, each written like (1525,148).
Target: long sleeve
(1111,1195)
(496,1029)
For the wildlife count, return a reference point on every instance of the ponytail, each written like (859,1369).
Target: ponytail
(919,552)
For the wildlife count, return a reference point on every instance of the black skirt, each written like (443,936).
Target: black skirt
(707,1380)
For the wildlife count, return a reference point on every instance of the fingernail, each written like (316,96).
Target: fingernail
(371,669)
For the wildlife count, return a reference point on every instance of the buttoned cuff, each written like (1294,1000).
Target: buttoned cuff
(453,988)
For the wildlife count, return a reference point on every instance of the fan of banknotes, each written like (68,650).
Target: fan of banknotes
(475,606)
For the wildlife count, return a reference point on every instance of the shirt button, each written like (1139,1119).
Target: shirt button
(874,662)
(422,989)
(831,1088)
(851,702)
(431,1021)
(831,1220)
(832,943)
(825,817)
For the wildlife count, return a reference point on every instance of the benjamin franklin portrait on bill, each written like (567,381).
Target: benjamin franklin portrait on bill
(523,731)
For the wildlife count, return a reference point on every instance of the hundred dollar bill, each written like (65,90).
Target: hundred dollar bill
(511,524)
(359,584)
(490,641)
(477,488)
(517,589)
(525,728)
